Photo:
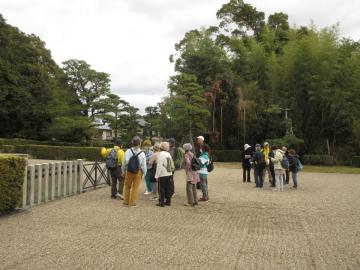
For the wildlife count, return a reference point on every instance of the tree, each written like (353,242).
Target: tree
(90,85)
(187,105)
(152,118)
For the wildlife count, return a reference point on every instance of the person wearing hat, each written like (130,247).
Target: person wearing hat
(115,172)
(259,164)
(199,142)
(163,176)
(191,176)
(246,162)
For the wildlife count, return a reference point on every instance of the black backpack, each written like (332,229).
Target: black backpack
(195,164)
(134,163)
(210,166)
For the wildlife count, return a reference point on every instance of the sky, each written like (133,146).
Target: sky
(133,39)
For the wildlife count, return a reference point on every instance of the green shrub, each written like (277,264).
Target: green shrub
(17,141)
(227,155)
(54,152)
(12,172)
(325,160)
(355,161)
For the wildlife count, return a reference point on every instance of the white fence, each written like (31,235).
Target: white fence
(51,181)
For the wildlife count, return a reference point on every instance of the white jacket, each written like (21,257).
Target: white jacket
(161,164)
(278,157)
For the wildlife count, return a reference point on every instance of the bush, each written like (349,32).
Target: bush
(325,160)
(227,155)
(12,172)
(55,152)
(17,141)
(355,161)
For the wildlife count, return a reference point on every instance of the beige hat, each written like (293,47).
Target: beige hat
(164,146)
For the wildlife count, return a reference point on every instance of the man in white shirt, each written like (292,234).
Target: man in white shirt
(134,165)
(163,176)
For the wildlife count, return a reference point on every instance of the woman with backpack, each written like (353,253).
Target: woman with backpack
(279,170)
(191,176)
(164,175)
(203,173)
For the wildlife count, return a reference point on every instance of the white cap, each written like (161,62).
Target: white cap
(246,146)
(201,138)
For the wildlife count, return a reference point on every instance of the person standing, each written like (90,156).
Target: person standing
(148,153)
(200,140)
(173,154)
(114,159)
(279,171)
(293,166)
(134,166)
(286,171)
(191,176)
(259,164)
(163,176)
(246,163)
(152,163)
(266,151)
(203,173)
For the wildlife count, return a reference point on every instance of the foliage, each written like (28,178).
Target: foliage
(332,169)
(227,155)
(55,152)
(12,171)
(325,160)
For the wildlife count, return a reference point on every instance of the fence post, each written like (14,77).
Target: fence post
(75,164)
(96,167)
(64,167)
(81,174)
(24,197)
(53,168)
(32,183)
(70,182)
(58,166)
(46,186)
(38,171)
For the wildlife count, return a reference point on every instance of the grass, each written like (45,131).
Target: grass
(307,168)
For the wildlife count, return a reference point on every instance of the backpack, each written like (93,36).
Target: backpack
(134,163)
(299,166)
(111,159)
(285,163)
(170,166)
(195,164)
(210,166)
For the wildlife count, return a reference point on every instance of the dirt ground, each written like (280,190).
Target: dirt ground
(314,227)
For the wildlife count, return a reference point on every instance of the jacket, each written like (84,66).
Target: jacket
(191,176)
(278,157)
(120,153)
(204,158)
(161,164)
(246,158)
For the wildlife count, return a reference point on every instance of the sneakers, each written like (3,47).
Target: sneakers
(120,196)
(147,193)
(203,200)
(154,198)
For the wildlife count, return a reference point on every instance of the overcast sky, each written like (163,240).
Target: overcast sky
(132,39)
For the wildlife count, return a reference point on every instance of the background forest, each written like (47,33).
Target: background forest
(247,80)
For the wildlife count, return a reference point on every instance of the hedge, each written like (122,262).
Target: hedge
(325,160)
(55,152)
(227,155)
(12,172)
(18,141)
(355,161)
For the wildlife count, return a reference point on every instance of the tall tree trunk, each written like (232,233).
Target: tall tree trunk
(221,124)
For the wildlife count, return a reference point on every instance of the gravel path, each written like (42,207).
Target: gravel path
(315,227)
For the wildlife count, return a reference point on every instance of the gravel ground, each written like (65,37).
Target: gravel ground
(315,227)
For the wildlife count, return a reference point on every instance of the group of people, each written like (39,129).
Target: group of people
(277,162)
(157,164)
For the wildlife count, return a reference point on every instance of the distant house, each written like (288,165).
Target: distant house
(104,131)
